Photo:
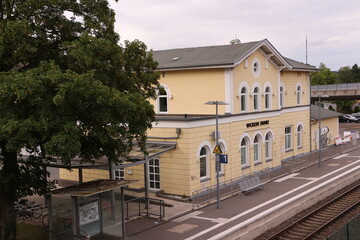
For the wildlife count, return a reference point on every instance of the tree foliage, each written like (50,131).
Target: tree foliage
(349,74)
(323,77)
(67,88)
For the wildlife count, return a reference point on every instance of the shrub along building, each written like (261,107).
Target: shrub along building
(267,118)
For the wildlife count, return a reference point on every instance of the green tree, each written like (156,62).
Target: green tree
(355,72)
(345,75)
(344,106)
(323,77)
(67,88)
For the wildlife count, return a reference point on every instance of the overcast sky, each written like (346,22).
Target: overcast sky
(332,27)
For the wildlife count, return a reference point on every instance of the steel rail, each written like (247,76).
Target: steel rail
(318,210)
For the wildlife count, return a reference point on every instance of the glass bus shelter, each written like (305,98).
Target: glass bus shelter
(87,209)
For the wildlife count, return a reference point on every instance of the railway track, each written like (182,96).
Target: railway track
(312,224)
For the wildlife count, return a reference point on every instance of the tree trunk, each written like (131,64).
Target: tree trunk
(9,176)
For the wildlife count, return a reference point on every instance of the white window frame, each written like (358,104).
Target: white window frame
(163,97)
(281,93)
(288,138)
(298,94)
(256,67)
(154,174)
(119,174)
(244,149)
(243,99)
(299,135)
(204,157)
(268,146)
(256,99)
(257,149)
(267,98)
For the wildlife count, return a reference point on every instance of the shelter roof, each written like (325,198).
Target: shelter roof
(152,148)
(91,188)
(324,113)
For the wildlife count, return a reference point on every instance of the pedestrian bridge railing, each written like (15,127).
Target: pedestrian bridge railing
(334,87)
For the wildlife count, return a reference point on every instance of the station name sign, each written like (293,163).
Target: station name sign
(256,124)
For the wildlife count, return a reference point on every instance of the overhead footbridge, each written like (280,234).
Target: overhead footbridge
(349,91)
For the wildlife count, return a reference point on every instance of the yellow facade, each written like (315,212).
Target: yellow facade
(272,126)
(332,124)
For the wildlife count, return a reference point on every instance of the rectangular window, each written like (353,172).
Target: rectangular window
(243,106)
(267,150)
(163,104)
(299,139)
(243,155)
(288,141)
(256,102)
(203,171)
(154,173)
(256,152)
(267,101)
(119,174)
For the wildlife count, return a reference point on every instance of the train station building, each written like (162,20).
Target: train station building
(266,118)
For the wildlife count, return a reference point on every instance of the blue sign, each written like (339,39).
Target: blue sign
(223,158)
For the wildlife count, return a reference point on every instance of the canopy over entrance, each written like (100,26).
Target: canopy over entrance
(136,157)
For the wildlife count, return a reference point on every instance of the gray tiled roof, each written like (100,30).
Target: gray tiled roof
(324,113)
(202,56)
(299,65)
(219,56)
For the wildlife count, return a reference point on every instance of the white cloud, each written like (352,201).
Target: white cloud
(331,26)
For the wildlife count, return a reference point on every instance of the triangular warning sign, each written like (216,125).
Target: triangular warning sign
(217,150)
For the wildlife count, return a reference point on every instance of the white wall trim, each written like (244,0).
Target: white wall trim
(206,144)
(230,119)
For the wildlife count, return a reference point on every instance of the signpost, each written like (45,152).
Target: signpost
(217,148)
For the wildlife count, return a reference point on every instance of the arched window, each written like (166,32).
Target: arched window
(162,101)
(244,151)
(204,163)
(256,99)
(281,96)
(298,95)
(257,149)
(268,146)
(299,134)
(267,98)
(243,99)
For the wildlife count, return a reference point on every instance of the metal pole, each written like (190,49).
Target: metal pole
(319,132)
(146,173)
(217,159)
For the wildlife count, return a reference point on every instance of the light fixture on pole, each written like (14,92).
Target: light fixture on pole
(217,160)
(319,138)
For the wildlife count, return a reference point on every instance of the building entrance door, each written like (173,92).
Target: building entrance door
(154,174)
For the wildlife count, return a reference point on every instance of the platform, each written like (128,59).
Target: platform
(249,216)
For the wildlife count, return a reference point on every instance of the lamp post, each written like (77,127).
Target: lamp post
(217,160)
(319,139)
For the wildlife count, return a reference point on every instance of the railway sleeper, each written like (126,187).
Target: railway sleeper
(307,226)
(337,209)
(318,220)
(296,234)
(323,216)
